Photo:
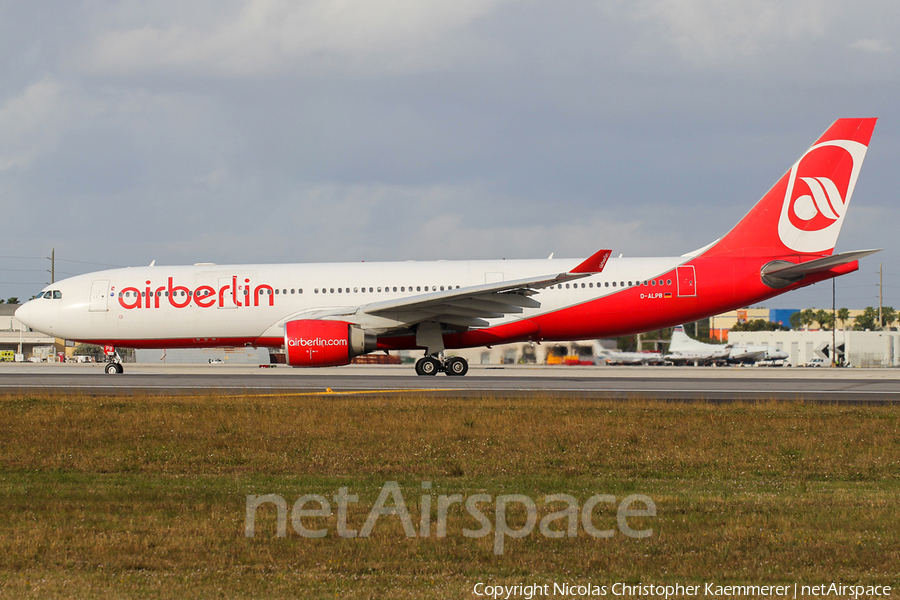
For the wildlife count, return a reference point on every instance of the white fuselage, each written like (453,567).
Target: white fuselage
(252,302)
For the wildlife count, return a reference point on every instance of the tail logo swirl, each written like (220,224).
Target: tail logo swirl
(818,193)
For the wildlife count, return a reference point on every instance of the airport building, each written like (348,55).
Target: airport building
(720,325)
(18,343)
(195,356)
(855,348)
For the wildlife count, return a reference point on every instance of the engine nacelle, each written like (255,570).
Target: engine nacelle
(312,343)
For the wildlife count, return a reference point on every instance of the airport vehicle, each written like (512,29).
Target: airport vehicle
(815,362)
(325,314)
(772,363)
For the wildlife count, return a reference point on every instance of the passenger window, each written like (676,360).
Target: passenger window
(668,282)
(653,282)
(614,284)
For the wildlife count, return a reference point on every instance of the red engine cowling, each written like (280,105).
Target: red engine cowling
(311,343)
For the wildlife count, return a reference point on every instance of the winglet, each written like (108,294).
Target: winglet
(594,264)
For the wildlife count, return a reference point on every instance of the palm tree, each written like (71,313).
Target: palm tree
(807,317)
(843,314)
(888,315)
(867,320)
(825,319)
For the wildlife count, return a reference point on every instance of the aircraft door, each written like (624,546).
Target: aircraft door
(100,296)
(685,276)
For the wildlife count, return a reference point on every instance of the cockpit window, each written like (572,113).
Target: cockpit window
(57,294)
(48,295)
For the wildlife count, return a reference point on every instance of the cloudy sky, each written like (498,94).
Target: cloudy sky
(224,131)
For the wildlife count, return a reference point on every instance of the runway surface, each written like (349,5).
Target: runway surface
(669,383)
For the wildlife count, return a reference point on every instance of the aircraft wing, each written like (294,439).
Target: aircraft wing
(747,353)
(470,306)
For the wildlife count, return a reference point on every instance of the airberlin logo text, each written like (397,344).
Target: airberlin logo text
(317,342)
(230,295)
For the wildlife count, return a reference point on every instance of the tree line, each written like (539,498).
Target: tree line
(825,319)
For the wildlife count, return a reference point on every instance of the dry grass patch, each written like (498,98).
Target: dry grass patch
(144,496)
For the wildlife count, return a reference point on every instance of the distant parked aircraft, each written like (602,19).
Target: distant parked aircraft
(614,357)
(685,350)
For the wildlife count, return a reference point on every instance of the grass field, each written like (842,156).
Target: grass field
(145,496)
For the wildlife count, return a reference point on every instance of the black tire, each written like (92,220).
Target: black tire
(112,369)
(120,368)
(427,366)
(457,367)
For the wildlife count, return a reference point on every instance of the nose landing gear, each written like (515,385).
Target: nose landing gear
(113,361)
(114,368)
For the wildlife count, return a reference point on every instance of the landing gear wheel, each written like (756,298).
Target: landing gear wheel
(456,366)
(119,368)
(427,366)
(113,368)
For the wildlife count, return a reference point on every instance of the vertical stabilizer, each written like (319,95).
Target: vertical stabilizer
(803,213)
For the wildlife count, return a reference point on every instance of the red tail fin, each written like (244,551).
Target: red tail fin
(804,211)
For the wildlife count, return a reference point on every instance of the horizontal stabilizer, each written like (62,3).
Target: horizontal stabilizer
(818,265)
(780,273)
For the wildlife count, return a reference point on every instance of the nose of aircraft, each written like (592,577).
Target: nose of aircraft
(23,313)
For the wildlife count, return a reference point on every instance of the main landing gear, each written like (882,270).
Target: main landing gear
(454,366)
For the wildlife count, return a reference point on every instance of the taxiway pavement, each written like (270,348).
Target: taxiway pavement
(669,383)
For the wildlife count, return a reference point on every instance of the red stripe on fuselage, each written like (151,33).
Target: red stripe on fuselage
(720,285)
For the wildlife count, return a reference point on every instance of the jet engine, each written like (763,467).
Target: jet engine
(311,343)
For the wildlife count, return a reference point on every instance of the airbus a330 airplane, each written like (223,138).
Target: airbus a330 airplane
(325,314)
